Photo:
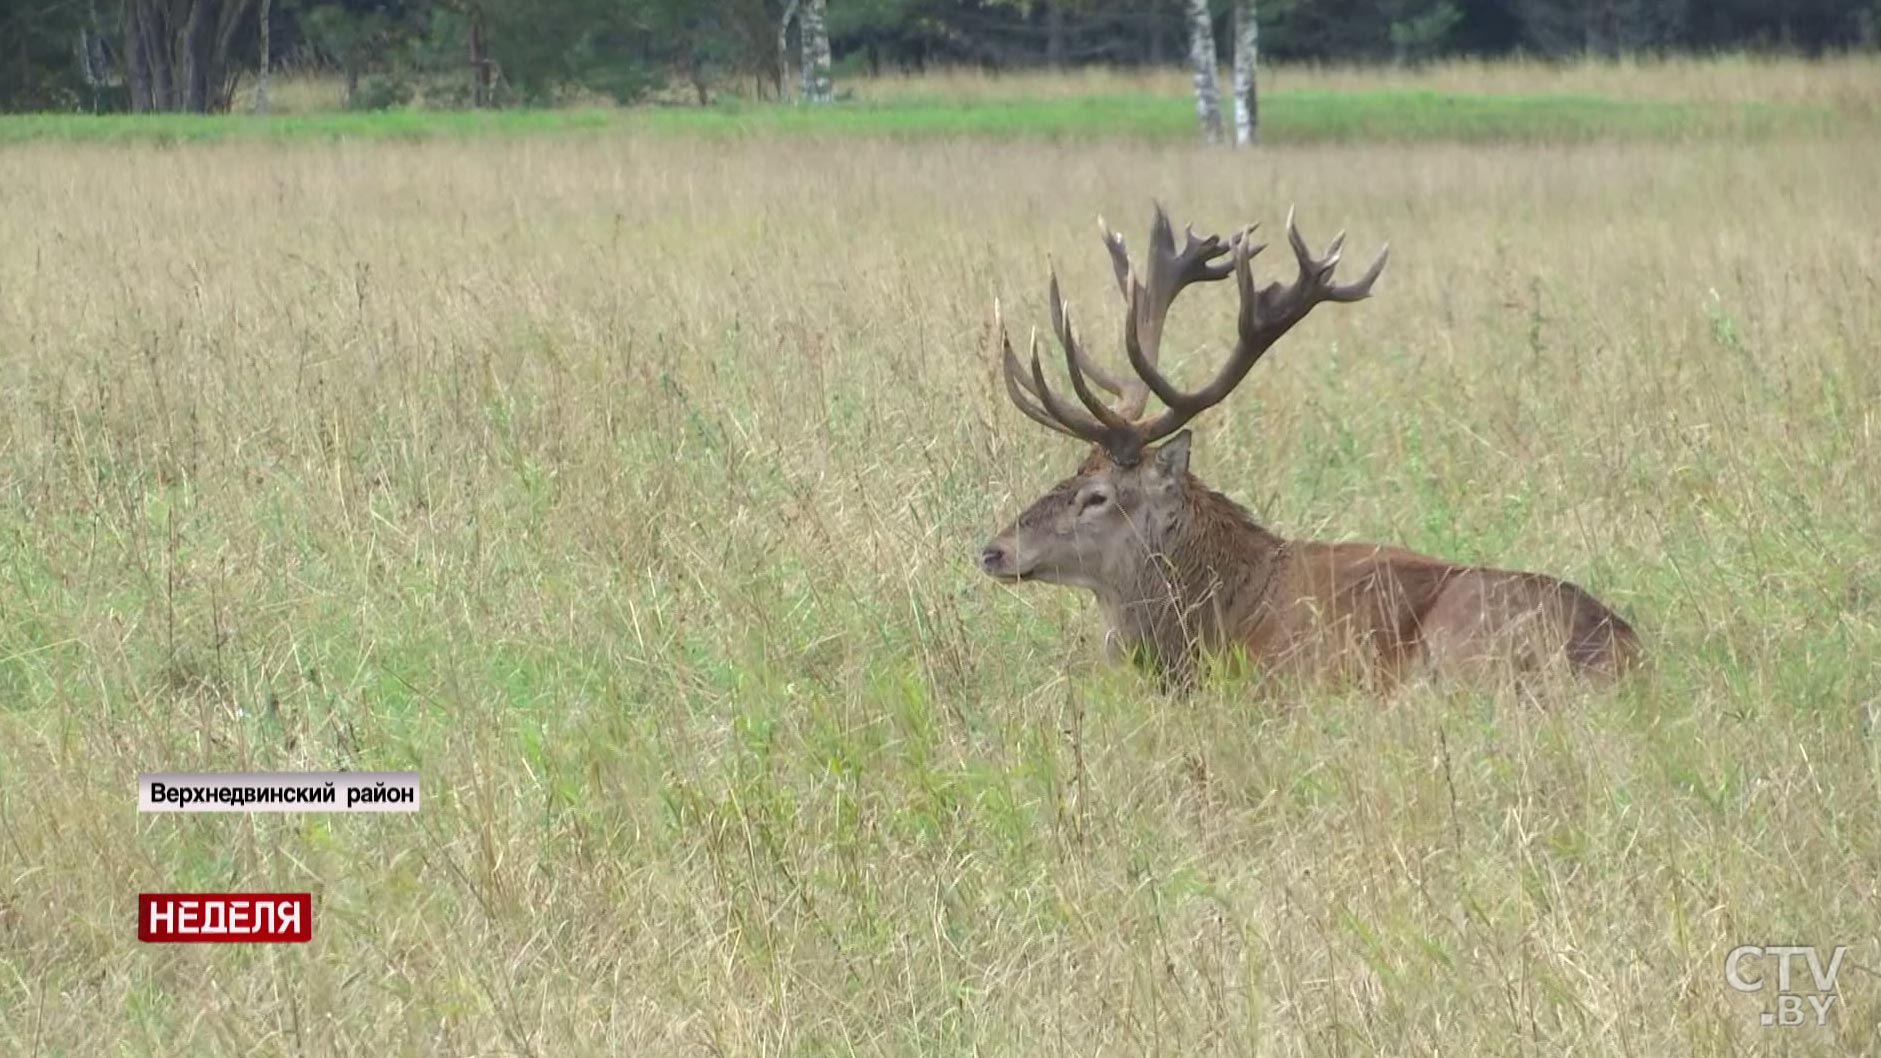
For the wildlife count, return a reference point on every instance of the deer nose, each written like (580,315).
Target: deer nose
(993,558)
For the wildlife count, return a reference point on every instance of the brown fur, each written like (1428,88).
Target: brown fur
(1179,569)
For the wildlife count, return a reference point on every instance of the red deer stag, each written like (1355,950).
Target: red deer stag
(1179,569)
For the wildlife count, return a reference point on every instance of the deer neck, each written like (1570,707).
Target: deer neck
(1195,587)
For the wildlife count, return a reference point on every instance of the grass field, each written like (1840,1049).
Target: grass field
(1290,117)
(1462,102)
(625,484)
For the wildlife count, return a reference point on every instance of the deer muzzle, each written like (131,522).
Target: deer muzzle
(1000,559)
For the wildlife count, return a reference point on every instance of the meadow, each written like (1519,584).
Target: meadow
(624,479)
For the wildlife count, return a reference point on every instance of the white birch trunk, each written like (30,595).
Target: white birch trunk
(1202,58)
(813,27)
(784,73)
(1247,42)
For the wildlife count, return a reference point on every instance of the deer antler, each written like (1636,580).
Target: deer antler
(1169,274)
(1265,316)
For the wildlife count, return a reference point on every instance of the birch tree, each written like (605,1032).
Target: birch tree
(1247,39)
(1202,57)
(783,47)
(813,29)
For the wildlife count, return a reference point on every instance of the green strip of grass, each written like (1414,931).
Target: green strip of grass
(384,124)
(1286,117)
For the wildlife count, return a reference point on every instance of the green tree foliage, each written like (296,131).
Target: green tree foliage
(53,57)
(357,40)
(77,54)
(544,50)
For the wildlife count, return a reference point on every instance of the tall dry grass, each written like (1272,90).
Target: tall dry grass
(626,490)
(295,90)
(1848,82)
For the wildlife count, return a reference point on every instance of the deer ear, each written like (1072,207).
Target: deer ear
(1173,457)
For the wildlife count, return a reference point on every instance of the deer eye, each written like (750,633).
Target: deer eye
(1093,500)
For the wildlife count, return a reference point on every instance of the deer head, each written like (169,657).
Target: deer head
(1130,501)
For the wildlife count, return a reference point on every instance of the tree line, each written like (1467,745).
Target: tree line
(191,55)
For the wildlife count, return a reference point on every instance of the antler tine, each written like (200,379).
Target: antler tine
(1018,385)
(1314,283)
(1360,288)
(1264,317)
(1168,273)
(1132,395)
(1034,396)
(1180,407)
(1077,363)
(1074,349)
(1119,257)
(1074,422)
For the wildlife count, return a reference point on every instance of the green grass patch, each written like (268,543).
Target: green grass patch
(1296,117)
(368,125)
